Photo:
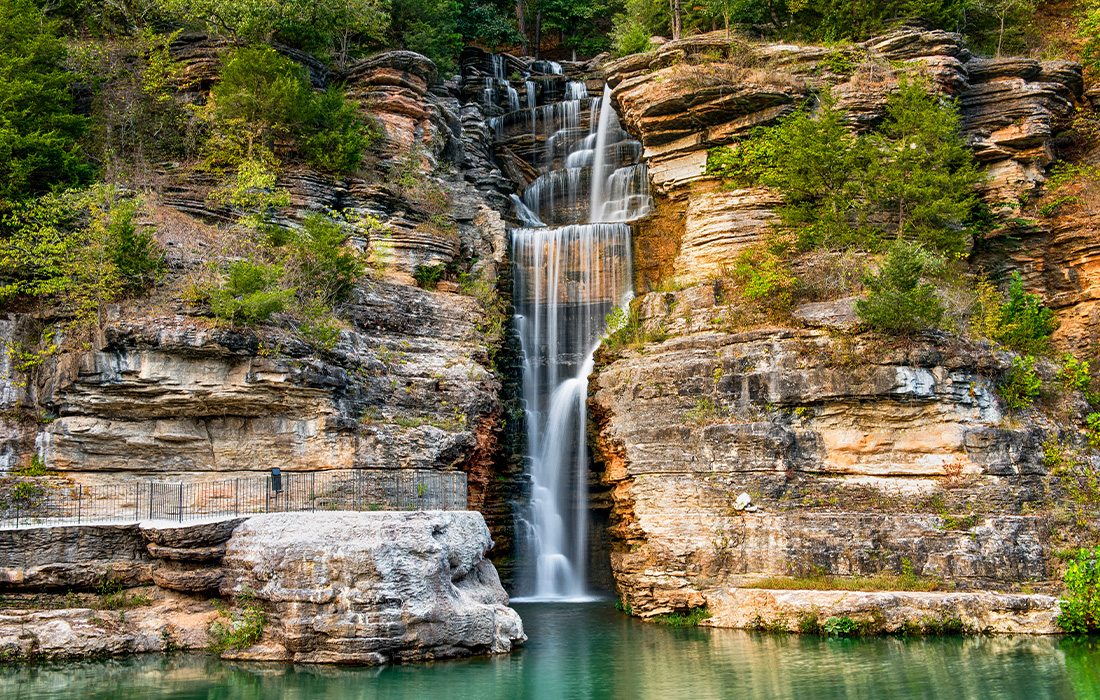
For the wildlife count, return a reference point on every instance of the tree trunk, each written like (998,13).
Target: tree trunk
(538,33)
(521,24)
(676,19)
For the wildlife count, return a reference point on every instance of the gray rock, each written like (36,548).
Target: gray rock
(371,587)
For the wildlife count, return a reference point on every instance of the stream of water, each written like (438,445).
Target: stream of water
(572,267)
(592,651)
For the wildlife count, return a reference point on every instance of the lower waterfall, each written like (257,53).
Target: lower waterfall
(572,267)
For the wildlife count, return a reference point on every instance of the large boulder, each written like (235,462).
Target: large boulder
(371,587)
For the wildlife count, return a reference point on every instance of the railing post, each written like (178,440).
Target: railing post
(312,491)
(179,510)
(237,496)
(79,501)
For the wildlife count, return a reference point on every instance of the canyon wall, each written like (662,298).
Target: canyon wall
(861,454)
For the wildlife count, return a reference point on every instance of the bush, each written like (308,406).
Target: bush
(251,293)
(1080,608)
(1026,325)
(690,618)
(629,37)
(77,249)
(899,300)
(765,278)
(238,629)
(841,627)
(429,276)
(326,269)
(264,99)
(1021,384)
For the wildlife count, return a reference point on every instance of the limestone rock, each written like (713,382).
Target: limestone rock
(372,587)
(888,611)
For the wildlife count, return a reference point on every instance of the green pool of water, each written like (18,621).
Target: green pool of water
(592,651)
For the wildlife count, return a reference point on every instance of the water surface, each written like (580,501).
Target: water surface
(592,651)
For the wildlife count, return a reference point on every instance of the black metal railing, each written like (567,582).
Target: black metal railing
(359,490)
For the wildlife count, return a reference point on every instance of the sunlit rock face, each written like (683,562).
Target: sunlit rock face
(371,587)
(862,455)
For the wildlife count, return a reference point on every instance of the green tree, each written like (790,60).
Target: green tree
(1026,325)
(264,105)
(250,294)
(1080,609)
(921,171)
(899,298)
(77,250)
(429,27)
(39,131)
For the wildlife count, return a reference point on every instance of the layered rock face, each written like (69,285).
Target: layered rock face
(361,588)
(167,392)
(862,455)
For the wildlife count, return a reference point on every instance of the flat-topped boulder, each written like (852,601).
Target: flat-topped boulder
(371,587)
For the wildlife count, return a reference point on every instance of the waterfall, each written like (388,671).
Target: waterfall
(572,260)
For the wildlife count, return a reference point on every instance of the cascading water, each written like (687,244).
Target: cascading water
(572,268)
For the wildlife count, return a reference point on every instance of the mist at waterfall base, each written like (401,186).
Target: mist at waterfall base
(572,266)
(593,651)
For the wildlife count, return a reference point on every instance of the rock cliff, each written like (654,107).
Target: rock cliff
(412,381)
(862,455)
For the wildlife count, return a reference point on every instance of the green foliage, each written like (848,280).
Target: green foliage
(1092,430)
(250,293)
(429,27)
(39,130)
(489,23)
(913,177)
(112,595)
(78,250)
(264,101)
(326,268)
(921,169)
(429,276)
(689,618)
(1076,375)
(841,627)
(1080,608)
(37,467)
(1088,29)
(899,300)
(1021,384)
(240,628)
(765,277)
(1026,325)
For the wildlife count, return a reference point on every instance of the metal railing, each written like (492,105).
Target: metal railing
(358,490)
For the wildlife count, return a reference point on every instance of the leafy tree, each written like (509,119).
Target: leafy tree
(77,250)
(429,27)
(922,171)
(264,101)
(39,131)
(912,178)
(900,300)
(1080,609)
(250,294)
(490,23)
(1026,324)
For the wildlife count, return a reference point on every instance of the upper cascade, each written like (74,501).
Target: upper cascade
(582,183)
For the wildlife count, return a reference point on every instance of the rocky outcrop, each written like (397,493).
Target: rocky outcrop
(336,587)
(372,587)
(887,612)
(862,456)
